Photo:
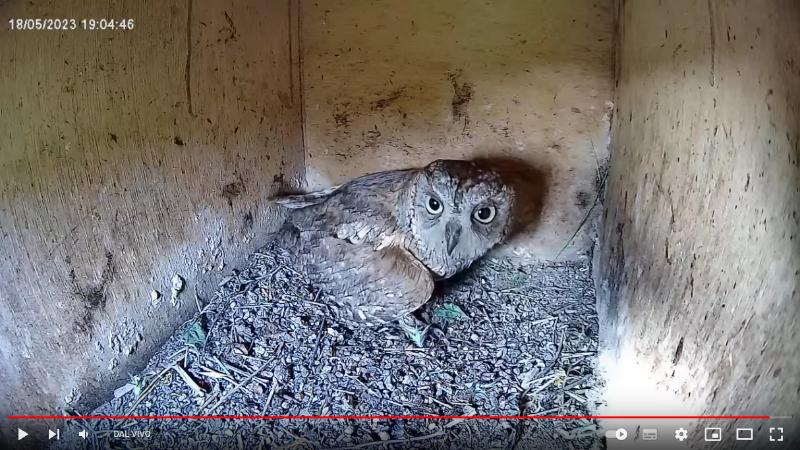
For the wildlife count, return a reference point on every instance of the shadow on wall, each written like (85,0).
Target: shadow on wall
(530,184)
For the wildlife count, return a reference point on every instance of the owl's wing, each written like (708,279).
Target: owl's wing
(305,200)
(371,286)
(360,211)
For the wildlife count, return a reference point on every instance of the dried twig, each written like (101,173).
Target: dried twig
(546,412)
(576,396)
(439,402)
(149,388)
(586,217)
(558,354)
(391,441)
(297,441)
(547,381)
(369,389)
(237,387)
(269,397)
(545,320)
(119,392)
(189,381)
(313,356)
(197,302)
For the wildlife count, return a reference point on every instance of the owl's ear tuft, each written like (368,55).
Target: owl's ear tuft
(305,200)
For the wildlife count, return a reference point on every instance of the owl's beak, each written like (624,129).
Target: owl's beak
(452,232)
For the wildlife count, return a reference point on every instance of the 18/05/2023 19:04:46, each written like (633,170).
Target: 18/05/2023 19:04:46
(70,24)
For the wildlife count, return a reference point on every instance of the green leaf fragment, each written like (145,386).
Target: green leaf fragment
(194,334)
(450,311)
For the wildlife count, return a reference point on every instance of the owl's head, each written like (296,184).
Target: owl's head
(455,211)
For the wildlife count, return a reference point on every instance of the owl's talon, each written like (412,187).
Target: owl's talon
(439,332)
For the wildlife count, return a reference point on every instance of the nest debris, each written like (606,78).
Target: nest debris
(503,341)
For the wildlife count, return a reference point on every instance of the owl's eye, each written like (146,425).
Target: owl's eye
(434,206)
(485,214)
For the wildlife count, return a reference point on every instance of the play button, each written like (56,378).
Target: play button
(20,434)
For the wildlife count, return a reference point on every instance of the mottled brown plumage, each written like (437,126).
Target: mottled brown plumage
(378,242)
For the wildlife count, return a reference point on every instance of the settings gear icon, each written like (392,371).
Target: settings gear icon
(681,434)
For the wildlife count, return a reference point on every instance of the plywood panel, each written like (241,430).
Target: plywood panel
(391,84)
(701,248)
(126,157)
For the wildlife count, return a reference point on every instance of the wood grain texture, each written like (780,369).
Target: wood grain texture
(126,157)
(701,245)
(391,84)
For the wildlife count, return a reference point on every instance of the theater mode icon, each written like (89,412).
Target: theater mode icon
(744,434)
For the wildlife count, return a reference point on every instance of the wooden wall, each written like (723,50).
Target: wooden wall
(700,258)
(127,157)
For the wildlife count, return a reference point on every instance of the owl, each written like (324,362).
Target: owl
(379,242)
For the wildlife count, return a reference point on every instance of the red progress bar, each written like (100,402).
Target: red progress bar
(388,417)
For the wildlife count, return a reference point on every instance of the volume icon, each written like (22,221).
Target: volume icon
(83,434)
